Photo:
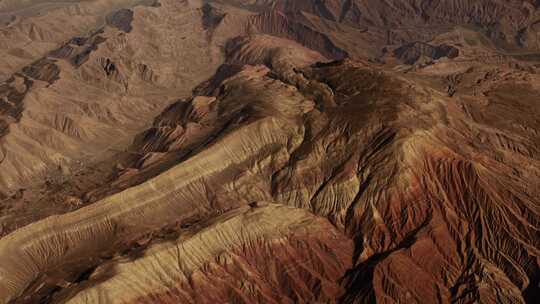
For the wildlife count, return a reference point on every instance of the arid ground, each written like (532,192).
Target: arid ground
(269,151)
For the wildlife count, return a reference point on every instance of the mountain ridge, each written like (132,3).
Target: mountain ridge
(280,152)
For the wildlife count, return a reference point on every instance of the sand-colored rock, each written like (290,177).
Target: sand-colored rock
(407,173)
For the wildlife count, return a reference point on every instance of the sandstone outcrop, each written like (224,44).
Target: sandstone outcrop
(276,152)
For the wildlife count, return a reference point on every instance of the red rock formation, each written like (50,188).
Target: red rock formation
(287,177)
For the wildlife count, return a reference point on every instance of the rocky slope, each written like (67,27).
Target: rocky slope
(276,152)
(67,111)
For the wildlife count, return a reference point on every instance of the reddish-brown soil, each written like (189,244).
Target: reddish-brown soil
(269,151)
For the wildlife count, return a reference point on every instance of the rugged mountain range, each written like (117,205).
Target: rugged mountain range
(286,151)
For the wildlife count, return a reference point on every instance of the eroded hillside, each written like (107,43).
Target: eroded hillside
(276,152)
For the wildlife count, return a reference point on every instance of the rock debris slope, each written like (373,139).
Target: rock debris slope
(305,166)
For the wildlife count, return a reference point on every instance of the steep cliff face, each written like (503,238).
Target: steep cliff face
(277,152)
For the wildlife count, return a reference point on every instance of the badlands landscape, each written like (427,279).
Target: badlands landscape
(269,151)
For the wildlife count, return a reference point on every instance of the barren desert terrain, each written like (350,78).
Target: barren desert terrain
(269,151)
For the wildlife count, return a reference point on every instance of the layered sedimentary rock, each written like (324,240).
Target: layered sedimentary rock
(290,175)
(93,92)
(388,162)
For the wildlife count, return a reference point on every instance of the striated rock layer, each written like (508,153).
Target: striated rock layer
(288,176)
(381,162)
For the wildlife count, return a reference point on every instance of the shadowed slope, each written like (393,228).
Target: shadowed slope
(286,180)
(390,163)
